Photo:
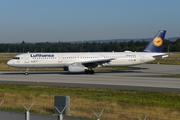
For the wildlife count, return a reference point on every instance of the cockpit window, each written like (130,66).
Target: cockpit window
(17,58)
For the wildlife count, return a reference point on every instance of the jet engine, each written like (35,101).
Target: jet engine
(76,67)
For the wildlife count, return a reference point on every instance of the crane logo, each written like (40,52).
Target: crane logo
(157,41)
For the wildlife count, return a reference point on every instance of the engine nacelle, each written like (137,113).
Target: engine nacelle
(76,67)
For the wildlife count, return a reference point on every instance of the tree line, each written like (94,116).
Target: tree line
(85,46)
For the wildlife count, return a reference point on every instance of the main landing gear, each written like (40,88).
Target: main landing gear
(89,71)
(27,70)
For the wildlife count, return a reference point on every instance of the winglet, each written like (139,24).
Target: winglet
(156,44)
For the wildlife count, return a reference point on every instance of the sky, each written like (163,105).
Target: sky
(81,20)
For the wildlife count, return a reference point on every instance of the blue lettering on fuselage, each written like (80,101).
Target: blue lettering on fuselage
(42,55)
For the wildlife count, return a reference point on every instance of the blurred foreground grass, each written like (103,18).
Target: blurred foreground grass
(117,103)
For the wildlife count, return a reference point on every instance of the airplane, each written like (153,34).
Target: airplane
(86,61)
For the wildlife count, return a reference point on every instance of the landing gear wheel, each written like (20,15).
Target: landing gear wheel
(27,70)
(86,71)
(89,71)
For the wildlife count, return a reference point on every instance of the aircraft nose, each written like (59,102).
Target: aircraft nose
(9,63)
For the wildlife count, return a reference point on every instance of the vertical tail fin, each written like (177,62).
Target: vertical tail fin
(156,44)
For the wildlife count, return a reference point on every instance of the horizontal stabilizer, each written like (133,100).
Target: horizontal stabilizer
(161,56)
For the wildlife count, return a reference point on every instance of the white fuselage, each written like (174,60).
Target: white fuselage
(30,60)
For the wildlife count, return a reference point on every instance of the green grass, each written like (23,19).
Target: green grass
(167,62)
(172,75)
(163,99)
(174,55)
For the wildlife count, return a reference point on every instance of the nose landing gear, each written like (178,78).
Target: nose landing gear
(27,70)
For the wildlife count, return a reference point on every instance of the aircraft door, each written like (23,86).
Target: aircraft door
(26,58)
(142,58)
(101,56)
(60,58)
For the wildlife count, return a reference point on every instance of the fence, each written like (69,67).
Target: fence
(95,113)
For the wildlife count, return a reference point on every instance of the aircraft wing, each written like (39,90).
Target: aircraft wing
(95,63)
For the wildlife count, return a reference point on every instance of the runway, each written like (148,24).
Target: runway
(152,78)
